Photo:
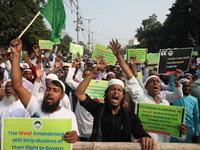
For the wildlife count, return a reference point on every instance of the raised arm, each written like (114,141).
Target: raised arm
(16,77)
(80,91)
(38,53)
(133,65)
(115,47)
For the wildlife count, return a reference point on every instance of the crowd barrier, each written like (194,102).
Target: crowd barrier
(132,146)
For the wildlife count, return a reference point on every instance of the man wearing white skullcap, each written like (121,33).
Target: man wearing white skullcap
(152,85)
(49,107)
(40,94)
(112,122)
(110,75)
(189,76)
(192,113)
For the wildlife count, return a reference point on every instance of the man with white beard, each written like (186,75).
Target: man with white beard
(11,106)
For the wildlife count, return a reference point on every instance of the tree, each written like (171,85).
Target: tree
(148,33)
(15,15)
(182,25)
(65,43)
(85,50)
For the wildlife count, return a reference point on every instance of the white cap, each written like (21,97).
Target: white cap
(183,80)
(188,74)
(52,76)
(27,69)
(109,73)
(63,86)
(115,81)
(152,76)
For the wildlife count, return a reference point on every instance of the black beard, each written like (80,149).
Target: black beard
(49,108)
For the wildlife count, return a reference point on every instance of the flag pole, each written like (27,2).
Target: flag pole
(29,25)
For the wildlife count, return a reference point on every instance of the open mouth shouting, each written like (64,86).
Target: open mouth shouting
(155,88)
(49,99)
(115,99)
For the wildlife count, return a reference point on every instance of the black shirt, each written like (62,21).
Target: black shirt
(113,128)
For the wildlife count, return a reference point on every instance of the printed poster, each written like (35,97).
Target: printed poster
(140,53)
(161,119)
(35,134)
(45,44)
(106,52)
(74,49)
(153,58)
(96,89)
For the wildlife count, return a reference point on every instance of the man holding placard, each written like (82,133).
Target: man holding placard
(49,107)
(153,87)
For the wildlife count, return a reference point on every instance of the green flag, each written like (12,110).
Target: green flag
(54,12)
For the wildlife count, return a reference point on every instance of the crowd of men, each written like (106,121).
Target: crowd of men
(53,85)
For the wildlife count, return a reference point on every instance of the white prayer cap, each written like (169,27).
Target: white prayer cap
(183,80)
(188,74)
(27,69)
(115,81)
(63,86)
(152,76)
(109,73)
(52,76)
(4,83)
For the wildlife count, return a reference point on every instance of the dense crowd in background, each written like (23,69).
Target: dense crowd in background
(29,87)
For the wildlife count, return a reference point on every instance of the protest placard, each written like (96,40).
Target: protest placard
(96,89)
(172,59)
(153,58)
(105,52)
(74,49)
(161,119)
(140,53)
(35,133)
(45,44)
(195,53)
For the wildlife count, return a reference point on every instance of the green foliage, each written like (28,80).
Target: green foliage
(180,29)
(65,43)
(15,15)
(85,51)
(148,32)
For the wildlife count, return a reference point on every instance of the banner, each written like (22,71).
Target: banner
(96,89)
(172,59)
(161,119)
(74,49)
(35,134)
(45,44)
(140,53)
(107,54)
(153,58)
(195,53)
